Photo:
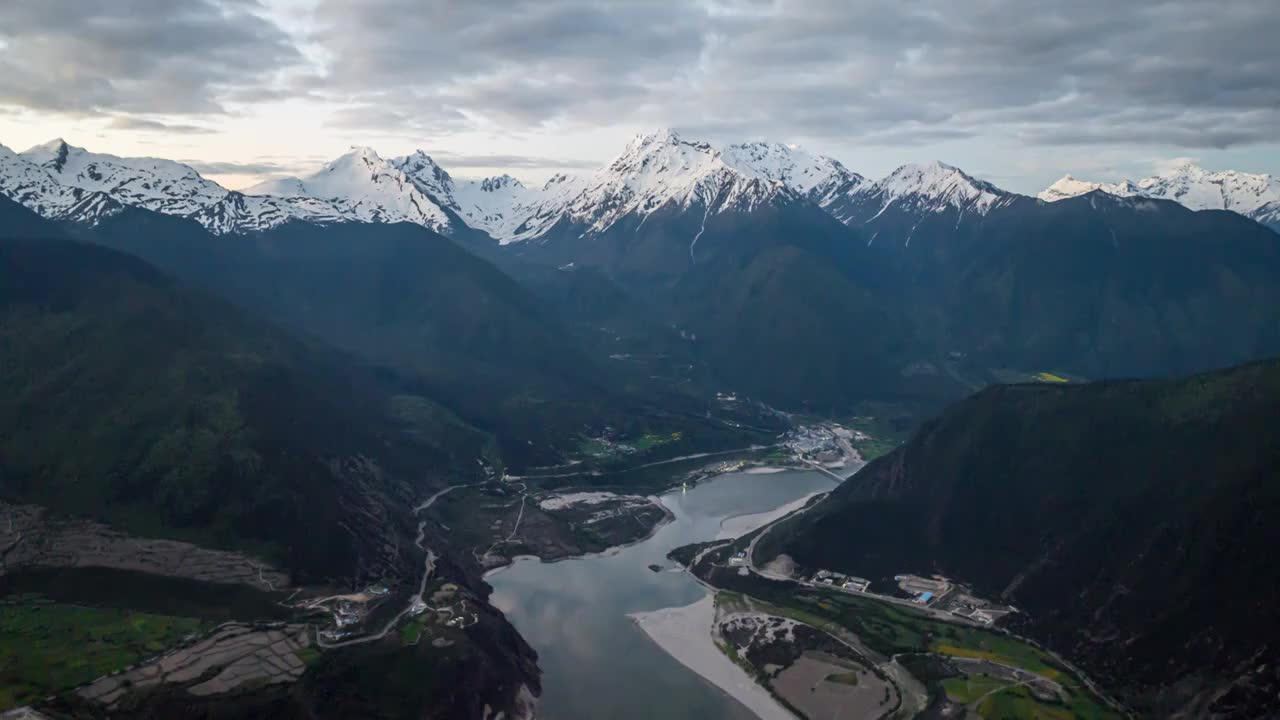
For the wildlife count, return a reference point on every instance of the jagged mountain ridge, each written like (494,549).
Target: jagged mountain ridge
(1256,196)
(152,183)
(655,170)
(33,187)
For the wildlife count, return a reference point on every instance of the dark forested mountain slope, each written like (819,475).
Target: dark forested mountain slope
(1105,287)
(1133,522)
(404,296)
(789,326)
(18,221)
(168,413)
(164,413)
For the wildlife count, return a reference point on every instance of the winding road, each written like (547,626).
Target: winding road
(428,567)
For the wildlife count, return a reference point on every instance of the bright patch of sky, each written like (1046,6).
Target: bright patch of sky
(1017,93)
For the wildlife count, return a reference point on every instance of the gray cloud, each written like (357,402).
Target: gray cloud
(1181,72)
(160,56)
(855,72)
(259,167)
(122,122)
(457,160)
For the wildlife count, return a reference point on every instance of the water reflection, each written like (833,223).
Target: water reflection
(596,663)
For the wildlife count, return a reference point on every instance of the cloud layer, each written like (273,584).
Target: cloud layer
(89,57)
(1180,73)
(1184,73)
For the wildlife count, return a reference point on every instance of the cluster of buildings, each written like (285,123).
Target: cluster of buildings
(830,445)
(970,607)
(923,590)
(348,610)
(839,580)
(937,593)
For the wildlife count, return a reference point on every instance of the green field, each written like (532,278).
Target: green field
(888,425)
(890,629)
(1018,704)
(47,648)
(411,632)
(964,690)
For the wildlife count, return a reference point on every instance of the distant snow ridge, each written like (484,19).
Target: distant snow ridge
(822,179)
(663,169)
(654,171)
(362,186)
(1253,195)
(496,205)
(152,183)
(34,187)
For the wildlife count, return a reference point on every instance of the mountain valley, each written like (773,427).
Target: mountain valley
(313,413)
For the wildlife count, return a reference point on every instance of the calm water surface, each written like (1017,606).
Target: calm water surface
(596,663)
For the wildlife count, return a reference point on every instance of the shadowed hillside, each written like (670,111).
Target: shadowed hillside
(1138,515)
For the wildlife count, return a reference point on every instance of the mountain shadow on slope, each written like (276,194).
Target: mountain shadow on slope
(1096,286)
(1132,522)
(166,413)
(783,301)
(408,298)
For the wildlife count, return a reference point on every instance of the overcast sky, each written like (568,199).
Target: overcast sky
(1016,92)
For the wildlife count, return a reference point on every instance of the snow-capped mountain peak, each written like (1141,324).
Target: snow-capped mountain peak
(1200,189)
(361,185)
(1252,195)
(661,169)
(153,183)
(821,179)
(498,183)
(33,186)
(52,153)
(940,186)
(427,174)
(1070,186)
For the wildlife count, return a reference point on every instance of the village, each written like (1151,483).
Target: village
(936,593)
(349,612)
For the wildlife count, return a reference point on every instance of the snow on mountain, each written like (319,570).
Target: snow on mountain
(33,186)
(280,187)
(238,212)
(656,170)
(823,180)
(1200,189)
(496,205)
(1252,195)
(427,175)
(937,187)
(152,183)
(1268,215)
(1069,187)
(361,185)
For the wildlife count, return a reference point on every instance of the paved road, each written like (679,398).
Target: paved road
(668,461)
(428,568)
(936,614)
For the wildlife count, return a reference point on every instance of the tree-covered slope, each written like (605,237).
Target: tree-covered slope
(164,412)
(16,221)
(499,355)
(1099,286)
(788,325)
(1134,523)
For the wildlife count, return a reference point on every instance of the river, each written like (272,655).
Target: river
(596,662)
